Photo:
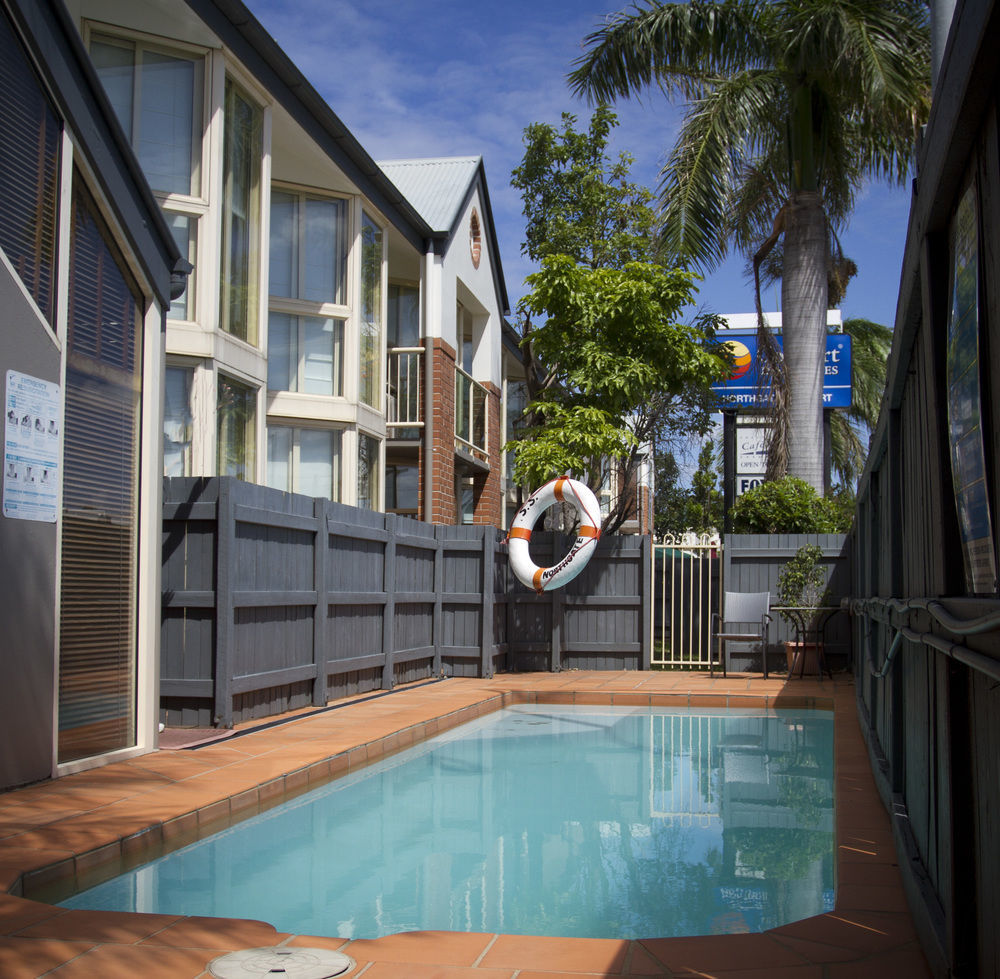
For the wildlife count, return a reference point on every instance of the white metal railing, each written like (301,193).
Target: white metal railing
(470,411)
(687,589)
(681,748)
(404,388)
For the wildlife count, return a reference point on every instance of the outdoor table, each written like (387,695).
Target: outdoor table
(809,620)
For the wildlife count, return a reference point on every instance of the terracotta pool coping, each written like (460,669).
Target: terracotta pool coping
(57,835)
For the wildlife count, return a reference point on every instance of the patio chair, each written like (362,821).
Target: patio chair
(744,619)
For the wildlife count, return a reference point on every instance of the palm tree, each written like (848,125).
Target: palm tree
(793,106)
(870,345)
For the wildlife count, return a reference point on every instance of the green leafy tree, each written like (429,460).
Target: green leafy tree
(787,506)
(792,106)
(696,508)
(577,200)
(616,356)
(610,369)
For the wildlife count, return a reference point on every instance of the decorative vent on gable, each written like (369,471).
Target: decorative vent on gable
(475,238)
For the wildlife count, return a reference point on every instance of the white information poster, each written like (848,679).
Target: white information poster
(31,448)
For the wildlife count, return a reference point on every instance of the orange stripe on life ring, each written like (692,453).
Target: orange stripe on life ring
(537,579)
(522,533)
(586,531)
(558,492)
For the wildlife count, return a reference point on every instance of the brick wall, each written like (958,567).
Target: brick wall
(442,466)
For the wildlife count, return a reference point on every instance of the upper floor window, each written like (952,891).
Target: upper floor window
(404,316)
(157,96)
(30,134)
(371,313)
(242,152)
(308,247)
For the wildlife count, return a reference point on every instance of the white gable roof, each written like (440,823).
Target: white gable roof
(437,187)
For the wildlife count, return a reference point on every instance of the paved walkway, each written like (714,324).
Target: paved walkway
(56,835)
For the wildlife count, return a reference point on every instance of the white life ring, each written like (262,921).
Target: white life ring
(557,491)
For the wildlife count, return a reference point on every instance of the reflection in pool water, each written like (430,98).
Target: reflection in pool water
(543,820)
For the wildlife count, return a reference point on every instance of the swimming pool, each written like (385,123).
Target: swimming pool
(597,822)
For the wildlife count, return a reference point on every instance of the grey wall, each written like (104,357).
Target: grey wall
(27,575)
(752,563)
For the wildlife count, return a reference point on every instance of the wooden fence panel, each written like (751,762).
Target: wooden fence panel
(274,601)
(752,563)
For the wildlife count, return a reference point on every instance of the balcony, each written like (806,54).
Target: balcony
(470,414)
(405,392)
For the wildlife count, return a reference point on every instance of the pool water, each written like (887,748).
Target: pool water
(542,820)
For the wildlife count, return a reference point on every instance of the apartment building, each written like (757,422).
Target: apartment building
(340,335)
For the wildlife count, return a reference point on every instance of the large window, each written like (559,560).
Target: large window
(304,460)
(241,162)
(100,503)
(308,262)
(403,327)
(368,463)
(305,353)
(178,421)
(236,415)
(371,313)
(308,247)
(157,94)
(29,173)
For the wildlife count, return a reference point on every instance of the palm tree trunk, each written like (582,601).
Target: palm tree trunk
(803,320)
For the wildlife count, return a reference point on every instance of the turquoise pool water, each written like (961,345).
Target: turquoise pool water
(543,820)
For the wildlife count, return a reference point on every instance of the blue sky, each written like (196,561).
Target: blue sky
(465,78)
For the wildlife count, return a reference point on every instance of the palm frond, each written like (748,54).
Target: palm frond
(720,133)
(673,45)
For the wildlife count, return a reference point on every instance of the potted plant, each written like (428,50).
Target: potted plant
(802,585)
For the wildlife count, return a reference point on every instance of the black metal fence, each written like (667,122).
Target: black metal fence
(274,602)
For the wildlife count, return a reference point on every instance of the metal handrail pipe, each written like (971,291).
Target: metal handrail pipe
(990,622)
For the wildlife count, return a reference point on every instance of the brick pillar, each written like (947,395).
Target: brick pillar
(488,487)
(440,471)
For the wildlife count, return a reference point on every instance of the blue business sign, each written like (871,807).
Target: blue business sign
(740,391)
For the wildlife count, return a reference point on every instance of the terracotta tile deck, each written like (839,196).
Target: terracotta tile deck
(57,834)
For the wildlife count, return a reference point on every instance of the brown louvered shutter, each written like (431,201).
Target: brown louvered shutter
(97,625)
(29,172)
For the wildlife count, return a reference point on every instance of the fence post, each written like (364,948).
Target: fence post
(225,522)
(436,622)
(646,591)
(389,609)
(486,625)
(557,610)
(322,607)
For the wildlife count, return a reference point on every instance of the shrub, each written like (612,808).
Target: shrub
(788,506)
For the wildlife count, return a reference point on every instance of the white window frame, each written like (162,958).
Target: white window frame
(296,426)
(194,206)
(325,310)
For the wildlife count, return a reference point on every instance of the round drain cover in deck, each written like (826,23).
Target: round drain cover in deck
(281,960)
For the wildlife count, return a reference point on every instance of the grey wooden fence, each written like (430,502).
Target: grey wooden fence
(752,563)
(274,601)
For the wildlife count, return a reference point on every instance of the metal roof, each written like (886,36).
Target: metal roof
(436,187)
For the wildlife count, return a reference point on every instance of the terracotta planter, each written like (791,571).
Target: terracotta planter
(793,657)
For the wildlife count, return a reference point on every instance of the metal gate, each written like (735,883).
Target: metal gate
(687,589)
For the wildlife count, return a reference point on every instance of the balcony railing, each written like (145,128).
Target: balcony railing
(470,412)
(405,387)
